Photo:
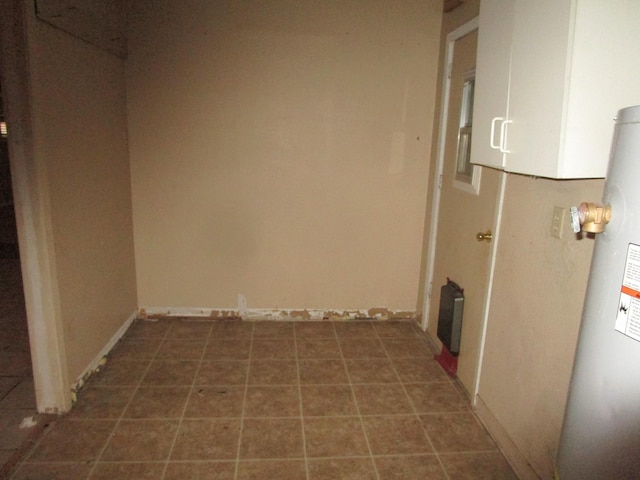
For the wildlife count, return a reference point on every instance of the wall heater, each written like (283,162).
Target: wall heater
(450,325)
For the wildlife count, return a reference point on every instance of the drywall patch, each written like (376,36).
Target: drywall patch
(242,304)
(386,314)
(299,314)
(280,314)
(211,313)
(382,313)
(338,315)
(225,315)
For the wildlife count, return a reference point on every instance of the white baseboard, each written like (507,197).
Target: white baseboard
(98,360)
(518,462)
(289,314)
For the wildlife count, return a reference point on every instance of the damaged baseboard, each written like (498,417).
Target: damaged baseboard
(98,361)
(376,313)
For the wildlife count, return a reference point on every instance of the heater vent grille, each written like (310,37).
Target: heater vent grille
(450,316)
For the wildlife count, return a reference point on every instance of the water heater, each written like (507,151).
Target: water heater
(601,432)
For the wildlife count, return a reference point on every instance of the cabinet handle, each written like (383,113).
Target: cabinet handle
(493,134)
(503,136)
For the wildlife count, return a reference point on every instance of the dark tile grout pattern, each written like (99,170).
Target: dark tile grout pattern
(193,398)
(17,396)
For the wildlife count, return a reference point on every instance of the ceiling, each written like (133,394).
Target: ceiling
(103,22)
(99,22)
(451,5)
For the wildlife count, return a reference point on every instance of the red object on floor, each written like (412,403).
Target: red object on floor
(448,361)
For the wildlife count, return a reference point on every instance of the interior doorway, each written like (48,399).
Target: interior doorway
(465,210)
(17,394)
(33,218)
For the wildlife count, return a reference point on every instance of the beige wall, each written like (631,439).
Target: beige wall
(279,150)
(535,314)
(535,309)
(260,136)
(80,148)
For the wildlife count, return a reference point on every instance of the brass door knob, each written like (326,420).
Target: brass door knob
(486,236)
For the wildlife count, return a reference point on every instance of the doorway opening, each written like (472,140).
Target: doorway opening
(17,392)
(465,213)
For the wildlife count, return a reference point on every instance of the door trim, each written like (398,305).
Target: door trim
(33,218)
(452,37)
(497,221)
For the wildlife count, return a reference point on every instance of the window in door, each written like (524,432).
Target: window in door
(467,175)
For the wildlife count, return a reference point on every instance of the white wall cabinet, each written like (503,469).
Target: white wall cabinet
(550,77)
(491,100)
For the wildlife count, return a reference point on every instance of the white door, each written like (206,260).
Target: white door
(465,208)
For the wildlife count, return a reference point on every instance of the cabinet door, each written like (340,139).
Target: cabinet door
(605,70)
(491,101)
(538,89)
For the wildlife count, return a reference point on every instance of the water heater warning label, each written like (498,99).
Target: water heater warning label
(628,317)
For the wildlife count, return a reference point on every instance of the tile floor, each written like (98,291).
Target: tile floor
(17,397)
(186,398)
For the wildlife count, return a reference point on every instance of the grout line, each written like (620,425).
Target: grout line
(304,438)
(244,401)
(297,341)
(355,401)
(71,419)
(186,403)
(273,459)
(135,390)
(24,459)
(417,416)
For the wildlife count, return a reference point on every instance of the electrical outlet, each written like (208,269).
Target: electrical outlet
(557,221)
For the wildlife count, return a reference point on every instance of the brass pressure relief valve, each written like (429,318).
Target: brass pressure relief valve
(590,217)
